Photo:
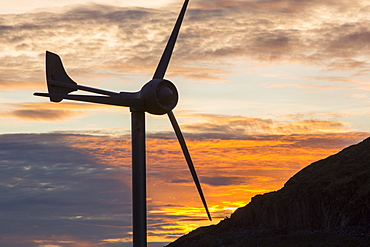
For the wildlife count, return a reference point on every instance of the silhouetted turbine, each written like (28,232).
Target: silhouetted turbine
(159,96)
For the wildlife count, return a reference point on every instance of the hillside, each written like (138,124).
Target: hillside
(325,204)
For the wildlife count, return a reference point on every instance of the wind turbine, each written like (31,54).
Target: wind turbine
(159,96)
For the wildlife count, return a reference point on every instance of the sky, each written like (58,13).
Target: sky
(266,88)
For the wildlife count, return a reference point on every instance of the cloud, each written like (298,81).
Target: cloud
(313,32)
(47,186)
(121,41)
(47,111)
(222,181)
(43,114)
(215,181)
(63,188)
(240,127)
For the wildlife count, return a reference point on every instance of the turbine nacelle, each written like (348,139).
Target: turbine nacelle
(160,96)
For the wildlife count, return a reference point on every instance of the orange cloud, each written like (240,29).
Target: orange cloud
(231,171)
(239,126)
(47,111)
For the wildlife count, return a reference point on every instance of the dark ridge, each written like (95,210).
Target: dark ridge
(325,204)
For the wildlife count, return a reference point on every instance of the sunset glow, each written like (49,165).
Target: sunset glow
(231,172)
(266,88)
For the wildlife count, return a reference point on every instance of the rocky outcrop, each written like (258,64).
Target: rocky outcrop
(327,200)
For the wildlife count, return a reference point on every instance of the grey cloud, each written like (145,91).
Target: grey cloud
(331,141)
(308,141)
(201,135)
(129,40)
(287,30)
(45,184)
(223,181)
(216,180)
(43,114)
(180,181)
(231,126)
(4,27)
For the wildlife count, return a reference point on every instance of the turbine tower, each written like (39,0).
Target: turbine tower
(159,96)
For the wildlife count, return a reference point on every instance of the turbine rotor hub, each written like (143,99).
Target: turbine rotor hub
(160,96)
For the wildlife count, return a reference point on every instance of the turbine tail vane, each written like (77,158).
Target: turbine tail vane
(58,81)
(189,161)
(166,56)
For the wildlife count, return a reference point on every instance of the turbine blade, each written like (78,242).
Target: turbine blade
(185,150)
(166,56)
